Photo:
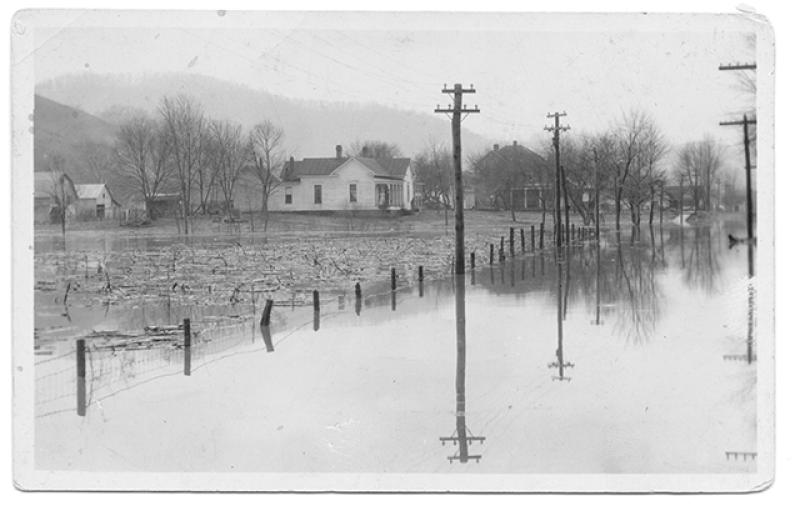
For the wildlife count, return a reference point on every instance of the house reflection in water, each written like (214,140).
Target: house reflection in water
(462,436)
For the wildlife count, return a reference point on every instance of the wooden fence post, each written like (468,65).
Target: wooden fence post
(541,235)
(533,238)
(472,260)
(80,355)
(522,240)
(420,273)
(491,253)
(267,314)
(502,256)
(187,347)
(511,241)
(316,300)
(394,279)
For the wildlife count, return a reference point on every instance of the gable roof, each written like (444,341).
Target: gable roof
(513,152)
(394,168)
(44,184)
(93,191)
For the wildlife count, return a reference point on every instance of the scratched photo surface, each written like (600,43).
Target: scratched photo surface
(267,245)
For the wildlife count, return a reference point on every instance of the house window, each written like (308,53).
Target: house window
(317,194)
(100,211)
(287,198)
(353,193)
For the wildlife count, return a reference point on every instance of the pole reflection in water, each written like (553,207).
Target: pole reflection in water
(462,436)
(566,288)
(512,269)
(597,285)
(421,288)
(394,300)
(751,302)
(560,364)
(266,334)
(472,277)
(316,320)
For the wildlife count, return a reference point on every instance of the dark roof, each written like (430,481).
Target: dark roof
(513,152)
(394,168)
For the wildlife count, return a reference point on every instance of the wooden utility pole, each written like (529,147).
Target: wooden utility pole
(744,123)
(596,197)
(557,129)
(457,109)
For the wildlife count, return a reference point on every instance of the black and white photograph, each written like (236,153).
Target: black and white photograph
(392,252)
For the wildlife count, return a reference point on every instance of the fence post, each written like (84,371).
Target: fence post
(420,273)
(511,241)
(394,279)
(491,253)
(358,299)
(522,240)
(316,300)
(267,314)
(80,355)
(541,235)
(472,260)
(187,347)
(502,255)
(533,238)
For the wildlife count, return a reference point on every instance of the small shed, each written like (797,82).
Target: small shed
(95,201)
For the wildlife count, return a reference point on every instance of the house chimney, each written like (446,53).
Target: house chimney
(338,151)
(291,165)
(496,147)
(364,151)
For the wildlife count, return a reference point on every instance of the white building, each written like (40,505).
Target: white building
(96,202)
(344,183)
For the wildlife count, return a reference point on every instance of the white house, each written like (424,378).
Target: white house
(344,183)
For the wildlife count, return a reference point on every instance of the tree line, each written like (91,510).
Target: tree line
(181,150)
(632,161)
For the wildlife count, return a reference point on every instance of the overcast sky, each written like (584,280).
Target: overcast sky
(519,75)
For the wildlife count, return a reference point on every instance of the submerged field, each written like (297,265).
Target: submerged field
(646,370)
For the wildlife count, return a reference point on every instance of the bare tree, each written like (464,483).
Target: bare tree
(142,155)
(266,141)
(640,149)
(186,134)
(228,153)
(434,171)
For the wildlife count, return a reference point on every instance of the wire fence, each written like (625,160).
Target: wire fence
(117,361)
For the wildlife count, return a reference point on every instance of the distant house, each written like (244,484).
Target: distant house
(52,193)
(96,202)
(343,183)
(528,170)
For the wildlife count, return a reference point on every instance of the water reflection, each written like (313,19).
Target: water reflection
(560,364)
(266,334)
(462,437)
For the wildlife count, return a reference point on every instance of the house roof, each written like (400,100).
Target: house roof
(93,191)
(44,183)
(513,152)
(394,168)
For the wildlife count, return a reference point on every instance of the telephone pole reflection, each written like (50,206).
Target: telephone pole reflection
(462,436)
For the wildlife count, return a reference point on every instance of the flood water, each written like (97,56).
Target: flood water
(634,356)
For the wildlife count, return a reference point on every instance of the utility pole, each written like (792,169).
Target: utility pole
(596,197)
(557,129)
(744,123)
(457,109)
